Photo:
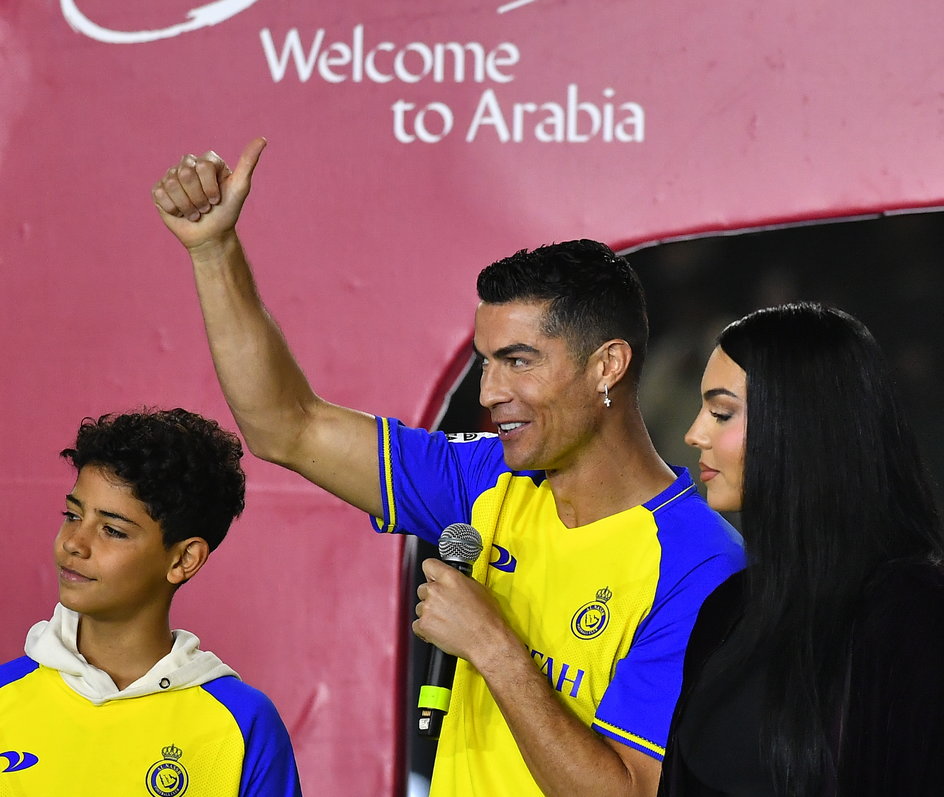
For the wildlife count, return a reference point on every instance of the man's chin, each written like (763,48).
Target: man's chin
(518,462)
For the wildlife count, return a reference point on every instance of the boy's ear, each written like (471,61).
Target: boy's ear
(189,556)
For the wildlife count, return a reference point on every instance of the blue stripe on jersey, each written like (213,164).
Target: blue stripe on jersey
(388,522)
(269,764)
(699,551)
(671,493)
(16,669)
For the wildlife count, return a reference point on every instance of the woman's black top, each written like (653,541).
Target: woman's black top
(892,739)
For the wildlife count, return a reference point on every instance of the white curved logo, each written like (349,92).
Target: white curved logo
(513,5)
(201,17)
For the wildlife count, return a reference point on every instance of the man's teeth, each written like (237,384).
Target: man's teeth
(507,427)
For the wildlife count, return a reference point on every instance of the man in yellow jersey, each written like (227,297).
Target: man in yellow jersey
(108,700)
(571,632)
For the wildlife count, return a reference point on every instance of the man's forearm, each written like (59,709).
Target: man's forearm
(543,726)
(263,385)
(278,413)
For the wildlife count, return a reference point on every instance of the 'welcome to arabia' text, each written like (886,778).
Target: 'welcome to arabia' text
(567,116)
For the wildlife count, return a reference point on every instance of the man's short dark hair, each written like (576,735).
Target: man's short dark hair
(593,295)
(183,467)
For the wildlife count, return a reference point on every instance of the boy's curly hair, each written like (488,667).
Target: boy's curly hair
(183,467)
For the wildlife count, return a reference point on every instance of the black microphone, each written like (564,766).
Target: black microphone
(459,546)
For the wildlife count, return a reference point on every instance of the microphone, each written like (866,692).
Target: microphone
(459,546)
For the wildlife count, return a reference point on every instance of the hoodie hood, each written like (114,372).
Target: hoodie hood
(52,643)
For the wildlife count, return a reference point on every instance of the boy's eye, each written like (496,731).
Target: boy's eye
(70,517)
(111,531)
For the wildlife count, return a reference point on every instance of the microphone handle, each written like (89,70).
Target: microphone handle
(436,691)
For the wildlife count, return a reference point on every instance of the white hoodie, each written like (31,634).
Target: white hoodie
(52,643)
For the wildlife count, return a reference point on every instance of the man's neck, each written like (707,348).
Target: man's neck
(620,472)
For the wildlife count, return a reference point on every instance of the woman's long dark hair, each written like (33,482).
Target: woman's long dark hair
(833,486)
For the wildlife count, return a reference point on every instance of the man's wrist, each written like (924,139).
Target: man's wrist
(215,250)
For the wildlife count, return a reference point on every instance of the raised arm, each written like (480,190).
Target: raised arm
(279,415)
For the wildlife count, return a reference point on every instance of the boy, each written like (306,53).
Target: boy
(108,700)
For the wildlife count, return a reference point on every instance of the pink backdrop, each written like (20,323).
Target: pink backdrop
(390,179)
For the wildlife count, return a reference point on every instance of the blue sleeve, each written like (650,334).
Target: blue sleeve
(700,551)
(429,480)
(16,669)
(269,764)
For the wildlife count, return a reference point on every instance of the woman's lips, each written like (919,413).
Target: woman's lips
(707,474)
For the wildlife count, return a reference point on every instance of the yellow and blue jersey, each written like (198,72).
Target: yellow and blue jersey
(221,739)
(605,609)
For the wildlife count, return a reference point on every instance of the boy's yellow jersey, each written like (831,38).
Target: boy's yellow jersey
(220,739)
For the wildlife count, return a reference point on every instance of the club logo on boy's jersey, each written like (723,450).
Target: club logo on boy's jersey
(591,619)
(17,761)
(505,561)
(168,778)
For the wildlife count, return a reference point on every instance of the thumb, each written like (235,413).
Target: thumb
(431,568)
(242,174)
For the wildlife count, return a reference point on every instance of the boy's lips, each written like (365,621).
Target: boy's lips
(73,576)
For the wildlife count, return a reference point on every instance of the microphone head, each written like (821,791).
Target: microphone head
(460,542)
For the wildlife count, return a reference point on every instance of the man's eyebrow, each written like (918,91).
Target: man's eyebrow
(719,391)
(505,351)
(513,349)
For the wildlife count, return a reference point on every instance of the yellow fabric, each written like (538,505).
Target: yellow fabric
(123,748)
(600,579)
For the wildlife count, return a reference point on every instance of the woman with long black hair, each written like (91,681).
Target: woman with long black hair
(819,670)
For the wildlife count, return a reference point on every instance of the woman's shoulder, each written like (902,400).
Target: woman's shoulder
(716,618)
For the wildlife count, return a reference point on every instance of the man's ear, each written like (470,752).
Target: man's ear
(189,556)
(614,358)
